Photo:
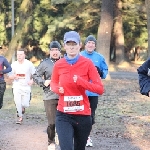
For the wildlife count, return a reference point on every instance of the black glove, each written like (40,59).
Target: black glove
(99,71)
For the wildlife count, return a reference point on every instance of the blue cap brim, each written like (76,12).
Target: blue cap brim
(71,39)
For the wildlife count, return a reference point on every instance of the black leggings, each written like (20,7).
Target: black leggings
(73,130)
(2,90)
(93,104)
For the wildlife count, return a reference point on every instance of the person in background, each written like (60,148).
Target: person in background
(22,71)
(5,68)
(144,78)
(42,77)
(102,68)
(70,78)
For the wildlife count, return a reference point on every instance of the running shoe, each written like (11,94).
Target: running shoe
(19,121)
(51,146)
(89,142)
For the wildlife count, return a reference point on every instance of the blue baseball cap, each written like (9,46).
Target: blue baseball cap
(72,36)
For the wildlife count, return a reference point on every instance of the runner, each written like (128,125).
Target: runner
(70,79)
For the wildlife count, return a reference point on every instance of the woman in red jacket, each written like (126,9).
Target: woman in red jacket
(70,78)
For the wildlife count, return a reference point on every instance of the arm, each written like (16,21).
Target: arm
(96,85)
(32,71)
(55,80)
(8,67)
(99,71)
(12,75)
(38,75)
(103,69)
(144,78)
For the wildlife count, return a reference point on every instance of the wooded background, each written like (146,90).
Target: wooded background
(120,26)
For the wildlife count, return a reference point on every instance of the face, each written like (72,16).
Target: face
(72,48)
(90,46)
(20,56)
(55,53)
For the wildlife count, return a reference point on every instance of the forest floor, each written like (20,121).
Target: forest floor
(122,117)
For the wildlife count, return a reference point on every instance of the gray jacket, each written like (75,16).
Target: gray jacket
(44,72)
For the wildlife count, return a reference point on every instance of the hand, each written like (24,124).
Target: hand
(99,71)
(47,83)
(75,77)
(30,82)
(16,77)
(61,90)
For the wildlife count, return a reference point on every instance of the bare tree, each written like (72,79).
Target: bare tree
(25,12)
(118,34)
(105,29)
(147,3)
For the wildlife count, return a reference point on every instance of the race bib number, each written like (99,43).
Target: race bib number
(21,76)
(73,103)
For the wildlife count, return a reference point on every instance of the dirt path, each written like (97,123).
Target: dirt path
(122,120)
(32,135)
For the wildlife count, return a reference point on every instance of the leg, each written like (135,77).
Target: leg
(25,98)
(83,127)
(2,90)
(93,104)
(65,130)
(1,100)
(30,97)
(50,108)
(17,99)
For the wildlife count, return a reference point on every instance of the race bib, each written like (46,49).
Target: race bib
(21,76)
(73,103)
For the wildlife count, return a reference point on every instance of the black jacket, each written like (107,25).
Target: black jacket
(144,77)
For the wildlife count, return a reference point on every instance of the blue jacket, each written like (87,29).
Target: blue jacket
(99,61)
(144,77)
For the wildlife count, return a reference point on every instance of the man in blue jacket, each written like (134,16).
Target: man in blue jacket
(102,68)
(144,78)
(4,69)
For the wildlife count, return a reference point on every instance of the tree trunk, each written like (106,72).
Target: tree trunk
(25,11)
(118,33)
(105,29)
(147,3)
(137,53)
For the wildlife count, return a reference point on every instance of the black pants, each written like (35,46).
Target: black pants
(73,130)
(50,108)
(93,104)
(2,90)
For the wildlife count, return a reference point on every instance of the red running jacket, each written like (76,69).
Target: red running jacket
(74,99)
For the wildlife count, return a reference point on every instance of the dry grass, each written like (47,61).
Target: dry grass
(122,114)
(36,104)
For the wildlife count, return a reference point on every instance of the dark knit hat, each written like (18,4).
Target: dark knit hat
(90,38)
(55,44)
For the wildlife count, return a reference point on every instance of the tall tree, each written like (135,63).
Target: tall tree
(24,13)
(105,29)
(147,3)
(118,35)
(49,22)
(4,23)
(135,25)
